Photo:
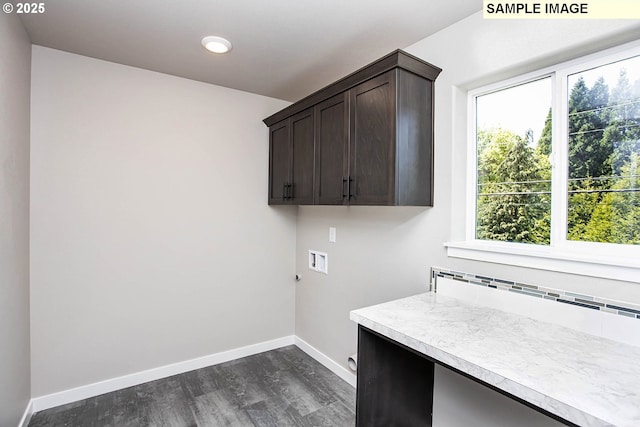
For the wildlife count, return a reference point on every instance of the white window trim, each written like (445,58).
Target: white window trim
(619,262)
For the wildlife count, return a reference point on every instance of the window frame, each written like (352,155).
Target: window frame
(615,261)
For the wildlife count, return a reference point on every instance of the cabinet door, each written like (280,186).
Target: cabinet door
(332,150)
(302,155)
(394,384)
(373,131)
(279,162)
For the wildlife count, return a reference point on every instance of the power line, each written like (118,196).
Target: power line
(606,107)
(601,178)
(584,132)
(610,190)
(548,181)
(536,193)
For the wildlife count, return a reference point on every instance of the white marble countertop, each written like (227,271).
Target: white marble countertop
(588,380)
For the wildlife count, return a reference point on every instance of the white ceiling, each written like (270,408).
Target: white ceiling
(285,49)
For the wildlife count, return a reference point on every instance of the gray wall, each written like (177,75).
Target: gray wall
(15,72)
(384,253)
(151,238)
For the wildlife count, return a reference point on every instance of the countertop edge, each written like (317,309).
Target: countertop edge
(536,398)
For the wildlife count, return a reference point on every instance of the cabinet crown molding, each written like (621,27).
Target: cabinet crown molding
(395,59)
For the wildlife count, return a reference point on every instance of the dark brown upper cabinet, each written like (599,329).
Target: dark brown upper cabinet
(332,150)
(291,160)
(365,140)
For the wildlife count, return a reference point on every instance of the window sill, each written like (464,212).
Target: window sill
(547,258)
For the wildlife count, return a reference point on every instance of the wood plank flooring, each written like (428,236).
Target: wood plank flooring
(278,388)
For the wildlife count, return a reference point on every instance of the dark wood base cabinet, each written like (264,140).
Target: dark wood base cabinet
(367,139)
(394,384)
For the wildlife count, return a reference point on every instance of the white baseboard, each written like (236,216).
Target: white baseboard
(90,390)
(325,360)
(106,386)
(26,417)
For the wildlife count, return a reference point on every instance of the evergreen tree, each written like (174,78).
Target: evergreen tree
(493,146)
(543,154)
(604,207)
(616,218)
(599,98)
(589,153)
(626,203)
(581,207)
(588,156)
(598,229)
(544,143)
(623,131)
(512,206)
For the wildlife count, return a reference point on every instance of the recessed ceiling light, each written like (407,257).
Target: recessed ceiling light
(216,44)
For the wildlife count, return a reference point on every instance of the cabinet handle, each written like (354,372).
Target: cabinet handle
(348,182)
(287,191)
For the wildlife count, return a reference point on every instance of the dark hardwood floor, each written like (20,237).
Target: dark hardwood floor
(283,387)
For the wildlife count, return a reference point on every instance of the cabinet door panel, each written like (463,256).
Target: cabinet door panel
(278,162)
(332,148)
(372,165)
(395,384)
(414,151)
(302,151)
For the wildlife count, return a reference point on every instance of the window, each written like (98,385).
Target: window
(513,144)
(603,192)
(555,164)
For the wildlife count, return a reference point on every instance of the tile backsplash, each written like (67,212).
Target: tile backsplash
(611,319)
